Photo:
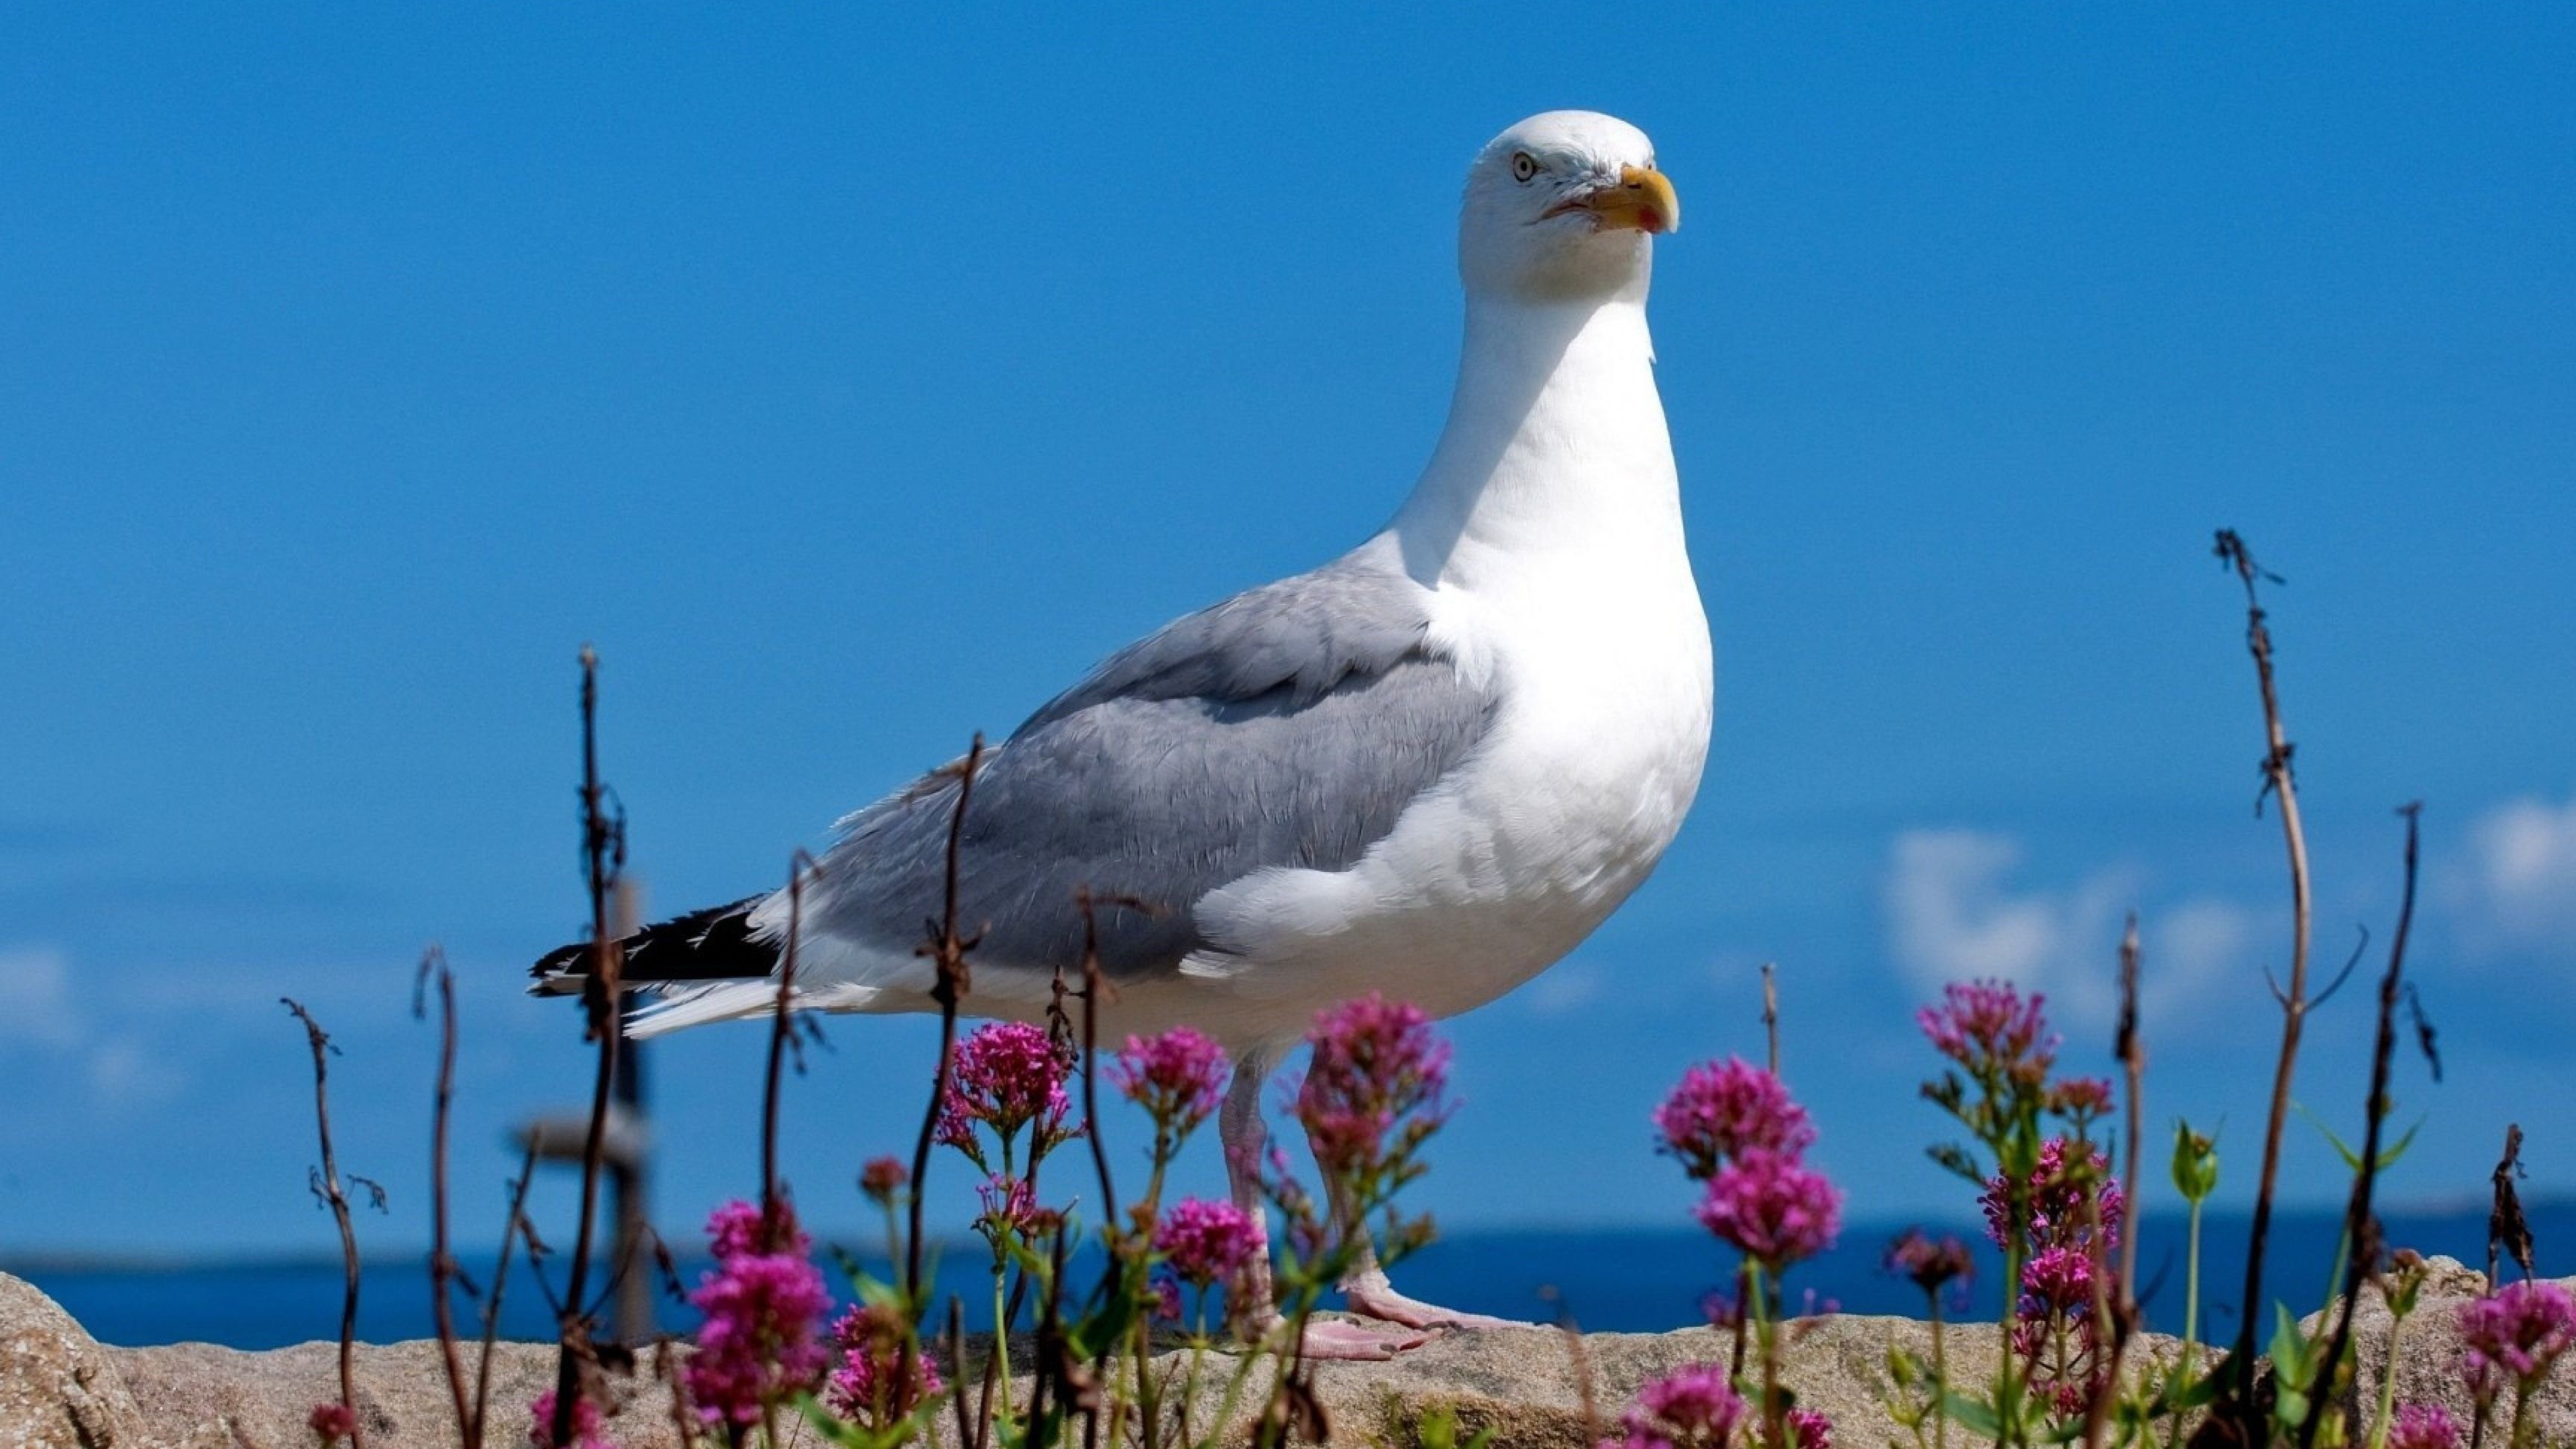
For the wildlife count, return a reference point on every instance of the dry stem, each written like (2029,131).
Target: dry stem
(442,1259)
(326,1186)
(2117,1313)
(2279,781)
(604,854)
(2359,1226)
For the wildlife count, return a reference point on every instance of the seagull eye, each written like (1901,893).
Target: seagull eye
(1524,166)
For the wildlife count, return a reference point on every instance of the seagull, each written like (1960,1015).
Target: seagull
(1429,768)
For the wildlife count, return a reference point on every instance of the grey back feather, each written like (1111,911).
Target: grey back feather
(1288,726)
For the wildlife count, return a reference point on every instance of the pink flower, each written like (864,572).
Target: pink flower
(1167,1298)
(2424,1426)
(882,1179)
(762,1302)
(1988,1028)
(1377,1070)
(867,1383)
(332,1423)
(586,1430)
(1011,1209)
(1177,1076)
(1207,1242)
(1693,1407)
(1718,1111)
(1931,1263)
(2057,1283)
(1007,1075)
(1810,1429)
(2083,1097)
(1774,1210)
(2055,1330)
(2515,1333)
(2058,1217)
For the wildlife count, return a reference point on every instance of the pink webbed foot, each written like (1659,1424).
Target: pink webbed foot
(1370,1296)
(1340,1340)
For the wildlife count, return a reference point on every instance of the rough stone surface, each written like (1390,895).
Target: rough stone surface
(200,1396)
(2428,1354)
(58,1389)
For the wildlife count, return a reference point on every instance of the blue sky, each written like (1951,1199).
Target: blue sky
(855,381)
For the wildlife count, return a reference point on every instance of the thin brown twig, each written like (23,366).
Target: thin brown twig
(1094,982)
(1771,1013)
(2279,780)
(442,1259)
(2508,1231)
(782,1032)
(2358,1223)
(326,1186)
(2115,1302)
(1579,1353)
(947,952)
(510,1232)
(603,856)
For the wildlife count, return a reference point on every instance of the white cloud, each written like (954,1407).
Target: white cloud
(36,998)
(37,1007)
(1567,987)
(126,1072)
(1955,912)
(2518,889)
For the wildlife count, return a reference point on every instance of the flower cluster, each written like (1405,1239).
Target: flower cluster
(2513,1335)
(1720,1110)
(2060,1199)
(1176,1077)
(1931,1264)
(1810,1429)
(1011,1210)
(1693,1407)
(1207,1242)
(1772,1207)
(1373,1090)
(762,1302)
(331,1423)
(883,1180)
(587,1432)
(2055,1328)
(1734,1126)
(1992,1030)
(2424,1426)
(868,1384)
(1006,1075)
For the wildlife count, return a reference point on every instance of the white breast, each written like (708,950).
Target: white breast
(1596,751)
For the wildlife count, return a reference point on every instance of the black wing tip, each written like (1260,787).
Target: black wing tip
(709,945)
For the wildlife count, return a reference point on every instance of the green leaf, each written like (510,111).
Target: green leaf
(2351,1159)
(1974,1415)
(2289,1350)
(2388,1157)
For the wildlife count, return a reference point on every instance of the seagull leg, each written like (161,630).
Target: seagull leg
(1367,1293)
(1252,1309)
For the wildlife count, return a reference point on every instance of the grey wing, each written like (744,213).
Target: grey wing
(1286,727)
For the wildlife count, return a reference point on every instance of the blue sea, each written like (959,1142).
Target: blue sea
(1622,1279)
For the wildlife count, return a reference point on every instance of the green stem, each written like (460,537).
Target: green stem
(1940,1380)
(2188,1363)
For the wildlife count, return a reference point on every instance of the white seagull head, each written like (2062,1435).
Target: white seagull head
(1563,207)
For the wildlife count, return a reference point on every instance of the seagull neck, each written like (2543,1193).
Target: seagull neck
(1555,446)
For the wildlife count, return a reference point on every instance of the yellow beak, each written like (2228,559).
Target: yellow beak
(1644,200)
